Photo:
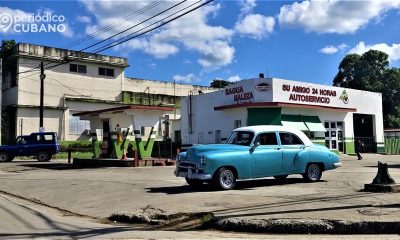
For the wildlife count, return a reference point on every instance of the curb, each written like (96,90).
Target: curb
(306,226)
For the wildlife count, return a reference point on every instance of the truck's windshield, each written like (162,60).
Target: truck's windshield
(240,138)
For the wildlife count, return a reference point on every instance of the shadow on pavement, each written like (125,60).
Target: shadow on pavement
(262,209)
(242,185)
(389,166)
(75,234)
(55,166)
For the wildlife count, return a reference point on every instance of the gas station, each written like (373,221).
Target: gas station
(117,132)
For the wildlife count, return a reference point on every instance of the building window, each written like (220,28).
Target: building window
(77,68)
(106,72)
(78,126)
(238,123)
(142,130)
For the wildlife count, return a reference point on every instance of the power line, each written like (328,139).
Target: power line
(127,29)
(102,30)
(113,25)
(130,37)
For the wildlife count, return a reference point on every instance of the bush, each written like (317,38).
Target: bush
(76,144)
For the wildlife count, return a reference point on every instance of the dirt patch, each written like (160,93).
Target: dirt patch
(160,219)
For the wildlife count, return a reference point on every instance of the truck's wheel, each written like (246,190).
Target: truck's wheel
(43,157)
(4,157)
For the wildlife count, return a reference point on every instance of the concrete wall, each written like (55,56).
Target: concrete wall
(60,81)
(160,87)
(28,120)
(206,121)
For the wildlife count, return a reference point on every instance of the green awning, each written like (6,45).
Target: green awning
(294,121)
(314,124)
(299,125)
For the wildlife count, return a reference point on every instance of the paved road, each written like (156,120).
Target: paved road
(102,191)
(20,219)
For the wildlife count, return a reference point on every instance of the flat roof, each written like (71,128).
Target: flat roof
(123,108)
(29,50)
(282,104)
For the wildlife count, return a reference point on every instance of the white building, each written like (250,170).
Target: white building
(85,82)
(332,116)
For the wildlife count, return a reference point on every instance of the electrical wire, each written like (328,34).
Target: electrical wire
(130,37)
(113,25)
(102,30)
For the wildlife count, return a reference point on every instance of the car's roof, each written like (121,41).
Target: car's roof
(267,128)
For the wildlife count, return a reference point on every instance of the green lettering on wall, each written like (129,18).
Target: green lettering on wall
(145,150)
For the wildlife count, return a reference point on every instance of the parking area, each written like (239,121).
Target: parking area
(99,192)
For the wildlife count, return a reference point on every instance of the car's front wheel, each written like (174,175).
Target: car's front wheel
(313,172)
(43,157)
(195,183)
(224,179)
(4,157)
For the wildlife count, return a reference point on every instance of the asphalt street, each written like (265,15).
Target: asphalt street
(99,192)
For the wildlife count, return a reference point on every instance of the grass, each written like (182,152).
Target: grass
(64,155)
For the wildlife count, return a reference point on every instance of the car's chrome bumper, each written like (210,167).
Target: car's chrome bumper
(189,174)
(338,164)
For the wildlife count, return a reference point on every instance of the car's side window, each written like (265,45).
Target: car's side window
(267,138)
(289,139)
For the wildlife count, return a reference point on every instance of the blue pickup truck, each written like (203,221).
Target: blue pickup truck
(40,145)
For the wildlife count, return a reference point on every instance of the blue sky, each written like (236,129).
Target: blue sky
(230,40)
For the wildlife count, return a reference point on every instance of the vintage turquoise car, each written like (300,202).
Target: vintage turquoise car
(255,152)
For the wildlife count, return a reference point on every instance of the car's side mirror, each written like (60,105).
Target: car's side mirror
(255,145)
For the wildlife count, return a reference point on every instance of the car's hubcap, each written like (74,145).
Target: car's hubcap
(42,157)
(227,178)
(3,157)
(313,172)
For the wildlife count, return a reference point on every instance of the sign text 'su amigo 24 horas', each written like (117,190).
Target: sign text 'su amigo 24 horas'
(308,94)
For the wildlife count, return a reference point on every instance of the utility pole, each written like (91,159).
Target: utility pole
(42,77)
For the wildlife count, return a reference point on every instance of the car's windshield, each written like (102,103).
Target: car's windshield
(240,138)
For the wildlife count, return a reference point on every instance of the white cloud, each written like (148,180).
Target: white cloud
(393,51)
(234,78)
(333,16)
(83,19)
(191,32)
(247,6)
(255,25)
(189,78)
(329,49)
(68,31)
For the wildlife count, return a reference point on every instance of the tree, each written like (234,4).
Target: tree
(9,60)
(219,83)
(371,72)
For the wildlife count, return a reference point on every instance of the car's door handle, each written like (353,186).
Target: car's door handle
(278,148)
